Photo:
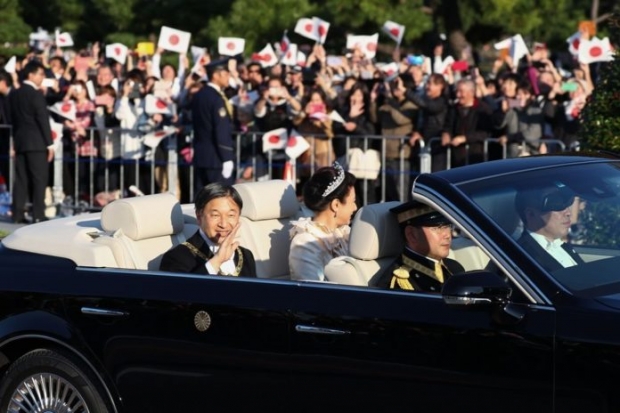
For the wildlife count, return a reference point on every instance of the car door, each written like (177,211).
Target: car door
(367,349)
(173,343)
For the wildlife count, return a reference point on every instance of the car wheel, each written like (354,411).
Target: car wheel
(46,381)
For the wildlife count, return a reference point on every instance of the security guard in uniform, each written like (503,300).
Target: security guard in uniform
(212,114)
(424,264)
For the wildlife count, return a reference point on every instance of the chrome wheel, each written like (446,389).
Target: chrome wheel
(46,393)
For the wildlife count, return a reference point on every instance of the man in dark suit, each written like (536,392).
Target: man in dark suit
(424,264)
(6,83)
(32,140)
(213,249)
(214,152)
(545,210)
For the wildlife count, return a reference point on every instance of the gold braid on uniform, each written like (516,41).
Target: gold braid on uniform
(200,254)
(401,277)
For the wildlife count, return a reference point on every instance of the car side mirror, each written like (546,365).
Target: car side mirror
(482,289)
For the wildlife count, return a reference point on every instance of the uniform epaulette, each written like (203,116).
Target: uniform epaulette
(401,277)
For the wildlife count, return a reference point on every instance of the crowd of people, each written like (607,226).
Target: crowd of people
(526,106)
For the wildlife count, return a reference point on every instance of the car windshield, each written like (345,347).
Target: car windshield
(583,200)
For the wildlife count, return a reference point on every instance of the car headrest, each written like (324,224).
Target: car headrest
(144,217)
(272,199)
(375,232)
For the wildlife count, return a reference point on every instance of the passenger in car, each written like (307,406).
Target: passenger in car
(330,194)
(546,214)
(423,265)
(213,249)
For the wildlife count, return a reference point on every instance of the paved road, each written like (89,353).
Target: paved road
(6,225)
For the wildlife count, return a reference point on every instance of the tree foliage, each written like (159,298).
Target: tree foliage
(600,127)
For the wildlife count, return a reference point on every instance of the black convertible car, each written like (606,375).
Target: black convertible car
(89,324)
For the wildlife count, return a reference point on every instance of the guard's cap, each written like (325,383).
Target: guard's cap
(418,215)
(216,66)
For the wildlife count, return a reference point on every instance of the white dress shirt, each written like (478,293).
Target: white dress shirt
(554,248)
(227,267)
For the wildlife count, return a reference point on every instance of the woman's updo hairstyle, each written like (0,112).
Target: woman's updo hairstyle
(327,183)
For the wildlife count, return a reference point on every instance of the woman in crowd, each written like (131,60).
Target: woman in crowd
(330,194)
(316,125)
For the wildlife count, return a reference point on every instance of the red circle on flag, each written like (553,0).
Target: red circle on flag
(273,139)
(394,32)
(596,51)
(292,141)
(389,72)
(117,51)
(62,39)
(54,135)
(160,104)
(65,107)
(160,133)
(308,28)
(230,46)
(576,43)
(174,40)
(289,54)
(322,30)
(371,47)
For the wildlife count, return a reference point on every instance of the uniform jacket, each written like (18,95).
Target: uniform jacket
(419,281)
(213,142)
(30,120)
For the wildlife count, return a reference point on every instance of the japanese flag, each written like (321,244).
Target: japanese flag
(301,59)
(266,57)
(153,105)
(296,145)
(116,51)
(197,53)
(174,40)
(595,50)
(366,44)
(9,67)
(63,39)
(573,43)
(307,29)
(66,109)
(153,139)
(390,70)
(322,27)
(314,29)
(275,139)
(335,116)
(290,57)
(517,47)
(442,66)
(394,30)
(56,134)
(230,46)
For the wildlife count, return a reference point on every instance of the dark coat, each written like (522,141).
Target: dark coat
(182,259)
(213,141)
(30,120)
(545,259)
(419,281)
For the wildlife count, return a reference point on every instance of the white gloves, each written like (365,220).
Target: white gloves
(227,169)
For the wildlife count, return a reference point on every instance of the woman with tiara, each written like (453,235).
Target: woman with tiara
(330,194)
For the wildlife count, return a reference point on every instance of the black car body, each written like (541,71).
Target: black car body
(517,338)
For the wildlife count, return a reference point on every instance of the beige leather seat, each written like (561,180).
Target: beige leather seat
(268,208)
(375,241)
(140,230)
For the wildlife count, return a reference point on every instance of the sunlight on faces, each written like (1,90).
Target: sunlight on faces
(432,242)
(346,209)
(218,218)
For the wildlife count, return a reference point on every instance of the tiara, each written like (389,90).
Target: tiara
(337,180)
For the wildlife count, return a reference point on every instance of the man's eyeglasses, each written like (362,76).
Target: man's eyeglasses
(442,228)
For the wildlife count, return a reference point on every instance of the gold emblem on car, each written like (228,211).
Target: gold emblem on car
(202,321)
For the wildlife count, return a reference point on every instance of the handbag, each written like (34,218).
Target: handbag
(364,164)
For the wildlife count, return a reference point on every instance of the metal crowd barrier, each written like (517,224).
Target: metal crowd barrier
(179,173)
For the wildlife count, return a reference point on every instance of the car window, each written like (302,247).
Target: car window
(594,232)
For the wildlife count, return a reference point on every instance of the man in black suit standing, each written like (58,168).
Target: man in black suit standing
(32,141)
(213,248)
(6,83)
(214,152)
(545,210)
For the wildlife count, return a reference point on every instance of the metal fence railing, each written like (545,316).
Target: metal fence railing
(116,168)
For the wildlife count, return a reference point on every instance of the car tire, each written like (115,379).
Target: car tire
(45,380)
